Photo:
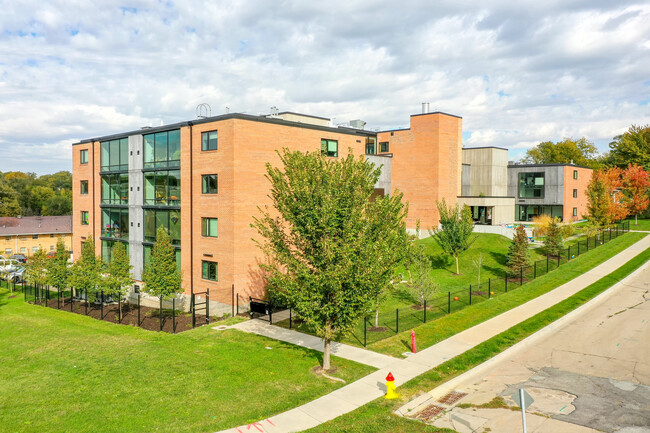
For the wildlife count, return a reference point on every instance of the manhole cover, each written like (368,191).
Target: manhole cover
(452,398)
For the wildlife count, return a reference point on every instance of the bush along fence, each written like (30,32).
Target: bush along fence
(386,324)
(116,310)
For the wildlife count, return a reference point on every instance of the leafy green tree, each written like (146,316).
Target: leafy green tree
(580,152)
(161,277)
(599,200)
(631,147)
(36,268)
(118,281)
(60,204)
(455,233)
(554,241)
(518,256)
(331,249)
(87,271)
(58,272)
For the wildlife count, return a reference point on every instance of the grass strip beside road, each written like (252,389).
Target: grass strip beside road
(440,329)
(377,416)
(64,372)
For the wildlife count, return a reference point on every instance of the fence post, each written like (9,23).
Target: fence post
(101,305)
(587,243)
(238,304)
(425,311)
(506,281)
(489,288)
(290,321)
(193,312)
(119,308)
(139,308)
(160,314)
(207,306)
(448,302)
(270,315)
(521,276)
(71,298)
(568,253)
(470,294)
(86,301)
(547,263)
(396,320)
(365,331)
(535,270)
(233,300)
(173,315)
(58,299)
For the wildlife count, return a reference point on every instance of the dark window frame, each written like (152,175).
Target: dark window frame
(383,147)
(205,187)
(206,141)
(205,265)
(81,187)
(122,148)
(533,175)
(205,226)
(166,199)
(575,193)
(85,218)
(324,147)
(167,162)
(575,174)
(83,156)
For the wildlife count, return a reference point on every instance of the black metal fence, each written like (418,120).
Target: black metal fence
(389,323)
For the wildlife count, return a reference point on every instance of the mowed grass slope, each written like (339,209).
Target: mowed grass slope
(64,372)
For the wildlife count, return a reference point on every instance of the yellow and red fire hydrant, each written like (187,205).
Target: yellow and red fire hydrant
(391,387)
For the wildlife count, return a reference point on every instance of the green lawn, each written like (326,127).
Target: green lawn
(377,416)
(64,372)
(643,224)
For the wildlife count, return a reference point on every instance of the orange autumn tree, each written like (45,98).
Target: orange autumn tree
(617,200)
(636,182)
(606,201)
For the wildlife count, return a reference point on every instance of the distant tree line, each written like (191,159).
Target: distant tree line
(28,194)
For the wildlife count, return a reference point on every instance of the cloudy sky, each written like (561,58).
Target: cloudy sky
(517,72)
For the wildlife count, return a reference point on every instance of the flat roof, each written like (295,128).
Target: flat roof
(558,164)
(485,147)
(229,116)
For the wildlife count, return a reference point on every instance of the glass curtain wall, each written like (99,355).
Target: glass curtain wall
(115,223)
(162,187)
(169,219)
(115,188)
(107,249)
(162,149)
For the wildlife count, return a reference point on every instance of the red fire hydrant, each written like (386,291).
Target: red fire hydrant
(413,348)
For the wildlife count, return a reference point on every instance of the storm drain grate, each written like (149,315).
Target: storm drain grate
(430,412)
(452,398)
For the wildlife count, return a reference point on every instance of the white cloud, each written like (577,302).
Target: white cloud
(518,75)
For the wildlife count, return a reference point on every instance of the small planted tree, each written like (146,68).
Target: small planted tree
(422,284)
(518,256)
(161,277)
(36,269)
(598,200)
(118,280)
(86,272)
(554,241)
(331,249)
(455,233)
(478,264)
(58,273)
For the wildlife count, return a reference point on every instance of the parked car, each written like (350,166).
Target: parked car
(16,275)
(19,257)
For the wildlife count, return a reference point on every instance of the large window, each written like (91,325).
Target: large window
(528,212)
(210,185)
(83,156)
(115,223)
(162,187)
(170,220)
(209,140)
(115,155)
(162,149)
(210,227)
(329,147)
(383,146)
(531,185)
(115,188)
(210,271)
(84,187)
(371,147)
(84,217)
(107,249)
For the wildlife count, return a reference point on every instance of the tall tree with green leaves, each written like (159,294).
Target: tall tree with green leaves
(331,249)
(58,273)
(580,152)
(118,279)
(36,269)
(554,241)
(518,256)
(86,272)
(631,147)
(455,233)
(161,277)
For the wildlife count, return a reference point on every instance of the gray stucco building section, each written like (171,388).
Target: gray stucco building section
(466,175)
(553,184)
(136,199)
(386,164)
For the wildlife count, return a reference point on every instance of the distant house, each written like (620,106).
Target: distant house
(26,235)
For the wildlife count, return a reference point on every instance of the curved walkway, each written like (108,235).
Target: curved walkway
(366,389)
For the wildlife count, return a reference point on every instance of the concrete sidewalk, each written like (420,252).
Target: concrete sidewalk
(364,390)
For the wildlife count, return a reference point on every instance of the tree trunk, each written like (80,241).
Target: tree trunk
(326,354)
(636,221)
(457,268)
(377,316)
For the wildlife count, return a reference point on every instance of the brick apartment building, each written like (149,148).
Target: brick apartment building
(26,235)
(203,180)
